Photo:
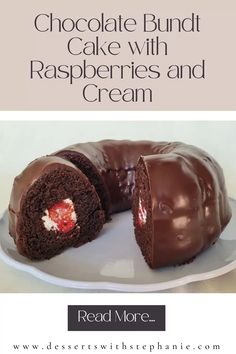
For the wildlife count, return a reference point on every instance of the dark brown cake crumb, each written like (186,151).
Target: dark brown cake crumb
(61,183)
(90,171)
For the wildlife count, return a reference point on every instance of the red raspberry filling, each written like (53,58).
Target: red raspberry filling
(63,214)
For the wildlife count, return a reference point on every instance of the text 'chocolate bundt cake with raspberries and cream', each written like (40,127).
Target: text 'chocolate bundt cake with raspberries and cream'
(176,191)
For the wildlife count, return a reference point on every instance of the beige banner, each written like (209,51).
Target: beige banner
(106,55)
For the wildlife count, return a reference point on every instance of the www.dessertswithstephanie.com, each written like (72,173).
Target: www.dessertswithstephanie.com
(119,346)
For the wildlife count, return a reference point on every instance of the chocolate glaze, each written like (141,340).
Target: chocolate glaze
(116,162)
(189,203)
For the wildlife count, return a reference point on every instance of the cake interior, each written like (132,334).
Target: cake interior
(87,167)
(142,213)
(42,238)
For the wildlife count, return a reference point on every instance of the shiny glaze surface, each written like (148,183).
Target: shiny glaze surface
(190,207)
(116,161)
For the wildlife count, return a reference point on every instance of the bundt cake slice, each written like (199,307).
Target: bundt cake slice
(180,205)
(53,206)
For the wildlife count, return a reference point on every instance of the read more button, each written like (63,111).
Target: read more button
(116,318)
(122,316)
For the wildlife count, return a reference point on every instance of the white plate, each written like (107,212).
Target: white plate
(114,262)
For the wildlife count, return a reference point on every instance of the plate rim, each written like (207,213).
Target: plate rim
(98,285)
(113,286)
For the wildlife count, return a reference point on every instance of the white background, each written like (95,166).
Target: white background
(195,319)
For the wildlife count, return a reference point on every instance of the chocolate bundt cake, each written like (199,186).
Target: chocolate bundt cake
(53,206)
(176,192)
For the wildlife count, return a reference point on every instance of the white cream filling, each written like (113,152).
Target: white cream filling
(73,214)
(50,225)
